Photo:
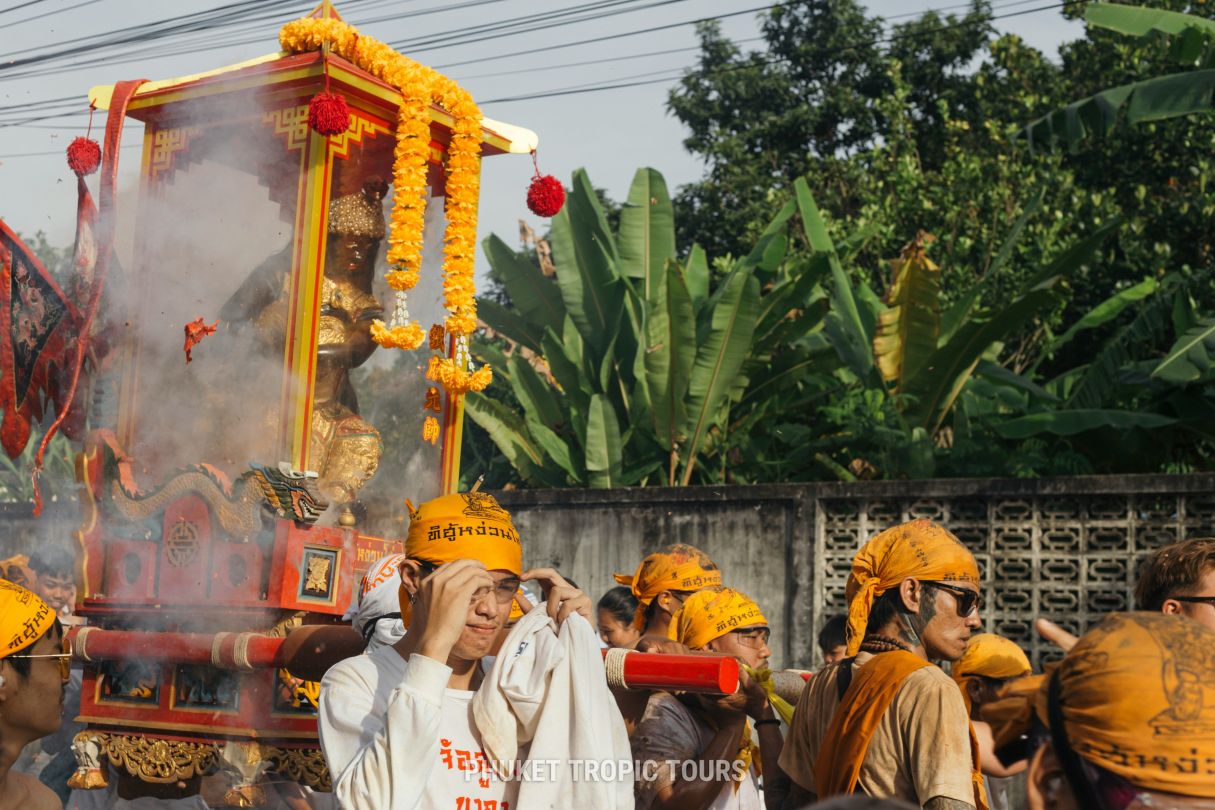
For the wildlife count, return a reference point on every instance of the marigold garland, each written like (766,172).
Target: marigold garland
(419,87)
(407,336)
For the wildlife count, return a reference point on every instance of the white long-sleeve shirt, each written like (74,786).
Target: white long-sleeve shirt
(396,738)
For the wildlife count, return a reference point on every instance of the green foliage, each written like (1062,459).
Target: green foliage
(1066,330)
(1187,39)
(633,368)
(58,471)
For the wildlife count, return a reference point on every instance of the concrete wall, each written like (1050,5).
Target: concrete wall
(1064,548)
(758,536)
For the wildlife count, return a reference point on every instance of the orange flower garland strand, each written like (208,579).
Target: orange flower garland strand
(419,87)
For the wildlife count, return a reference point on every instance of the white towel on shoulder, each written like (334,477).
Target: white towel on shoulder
(547,688)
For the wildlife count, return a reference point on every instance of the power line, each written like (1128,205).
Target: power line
(527,24)
(698,47)
(50,13)
(619,84)
(20,6)
(625,58)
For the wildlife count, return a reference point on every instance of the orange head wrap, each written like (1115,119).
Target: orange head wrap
(921,550)
(680,568)
(465,526)
(24,618)
(1137,697)
(707,615)
(989,656)
(16,569)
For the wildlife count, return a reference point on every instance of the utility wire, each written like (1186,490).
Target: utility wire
(49,13)
(619,84)
(20,6)
(653,77)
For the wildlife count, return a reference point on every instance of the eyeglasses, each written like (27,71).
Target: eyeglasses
(968,601)
(755,639)
(63,659)
(504,590)
(1198,600)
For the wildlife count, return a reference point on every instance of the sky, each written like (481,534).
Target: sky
(610,133)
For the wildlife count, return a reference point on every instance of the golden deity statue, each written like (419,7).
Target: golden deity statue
(345,447)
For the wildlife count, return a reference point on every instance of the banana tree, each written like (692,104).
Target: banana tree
(1190,41)
(627,363)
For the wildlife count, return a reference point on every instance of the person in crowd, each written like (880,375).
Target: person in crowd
(988,665)
(397,725)
(376,607)
(16,569)
(832,641)
(885,721)
(616,610)
(861,803)
(681,729)
(1180,578)
(660,585)
(33,670)
(1123,722)
(54,569)
(663,581)
(990,662)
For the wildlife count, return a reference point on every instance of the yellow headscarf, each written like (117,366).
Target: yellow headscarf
(464,526)
(709,615)
(680,568)
(989,656)
(920,549)
(16,569)
(24,618)
(1137,695)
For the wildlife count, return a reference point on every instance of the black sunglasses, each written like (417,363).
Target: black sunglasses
(968,601)
(1197,600)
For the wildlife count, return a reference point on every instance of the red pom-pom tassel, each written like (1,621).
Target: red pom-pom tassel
(83,156)
(545,195)
(328,114)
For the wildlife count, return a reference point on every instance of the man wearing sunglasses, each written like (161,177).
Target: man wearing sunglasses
(1180,579)
(396,725)
(884,721)
(33,669)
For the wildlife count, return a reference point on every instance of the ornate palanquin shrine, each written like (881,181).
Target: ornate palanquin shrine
(222,508)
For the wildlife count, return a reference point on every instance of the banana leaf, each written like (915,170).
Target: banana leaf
(507,430)
(1105,312)
(585,255)
(534,394)
(908,328)
(1189,37)
(935,388)
(844,322)
(1155,99)
(1071,422)
(536,297)
(1191,357)
(510,324)
(647,230)
(603,445)
(719,357)
(670,353)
